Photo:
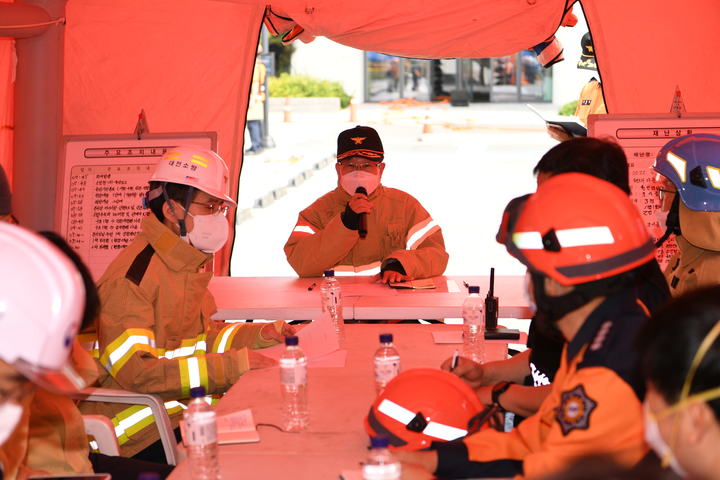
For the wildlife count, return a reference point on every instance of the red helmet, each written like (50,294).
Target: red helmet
(578,228)
(421,406)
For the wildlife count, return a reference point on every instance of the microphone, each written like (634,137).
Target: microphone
(362,217)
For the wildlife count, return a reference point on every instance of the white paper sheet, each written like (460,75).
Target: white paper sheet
(450,336)
(316,340)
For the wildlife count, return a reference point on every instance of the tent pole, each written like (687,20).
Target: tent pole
(38,120)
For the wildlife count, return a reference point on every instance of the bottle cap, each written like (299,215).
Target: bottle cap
(386,338)
(473,289)
(291,341)
(379,442)
(197,392)
(329,273)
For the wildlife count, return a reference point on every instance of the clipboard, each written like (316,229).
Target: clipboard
(571,124)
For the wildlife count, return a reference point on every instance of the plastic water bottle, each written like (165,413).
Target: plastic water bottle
(201,437)
(474,326)
(387,362)
(331,296)
(293,383)
(380,464)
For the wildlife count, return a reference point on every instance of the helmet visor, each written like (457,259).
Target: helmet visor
(64,381)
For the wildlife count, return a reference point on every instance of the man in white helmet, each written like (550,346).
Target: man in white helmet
(155,333)
(41,306)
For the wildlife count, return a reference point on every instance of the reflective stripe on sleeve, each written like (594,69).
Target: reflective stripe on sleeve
(421,231)
(124,346)
(349,270)
(131,420)
(193,373)
(187,348)
(303,229)
(225,337)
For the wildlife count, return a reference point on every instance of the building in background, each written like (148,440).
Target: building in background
(376,77)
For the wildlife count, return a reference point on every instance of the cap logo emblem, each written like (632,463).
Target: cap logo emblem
(358,140)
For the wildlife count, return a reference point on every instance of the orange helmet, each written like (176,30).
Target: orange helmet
(421,406)
(577,229)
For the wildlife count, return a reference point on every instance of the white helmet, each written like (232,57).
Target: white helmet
(196,167)
(42,298)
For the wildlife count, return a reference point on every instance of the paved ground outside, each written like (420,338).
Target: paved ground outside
(464,171)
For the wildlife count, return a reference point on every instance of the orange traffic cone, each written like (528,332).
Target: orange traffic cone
(427,127)
(287,111)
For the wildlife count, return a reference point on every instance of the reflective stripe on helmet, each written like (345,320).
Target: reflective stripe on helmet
(679,164)
(405,416)
(714,176)
(569,237)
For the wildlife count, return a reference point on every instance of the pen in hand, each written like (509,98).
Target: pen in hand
(312,285)
(455,359)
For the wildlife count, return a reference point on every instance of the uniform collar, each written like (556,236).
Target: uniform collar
(614,306)
(173,251)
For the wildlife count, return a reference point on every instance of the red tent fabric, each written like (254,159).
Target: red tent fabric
(188,63)
(645,48)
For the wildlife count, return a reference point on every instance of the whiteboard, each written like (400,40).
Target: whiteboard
(104,178)
(641,137)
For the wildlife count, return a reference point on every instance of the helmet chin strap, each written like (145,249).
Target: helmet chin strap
(672,224)
(186,206)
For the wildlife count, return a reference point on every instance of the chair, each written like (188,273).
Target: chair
(103,431)
(108,395)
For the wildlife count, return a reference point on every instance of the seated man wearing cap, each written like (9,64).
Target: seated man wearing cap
(364,227)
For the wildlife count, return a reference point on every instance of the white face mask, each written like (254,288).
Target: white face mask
(351,181)
(658,444)
(209,233)
(10,415)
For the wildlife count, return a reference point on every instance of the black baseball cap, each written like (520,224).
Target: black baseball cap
(360,142)
(587,58)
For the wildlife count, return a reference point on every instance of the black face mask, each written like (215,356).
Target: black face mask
(551,309)
(672,224)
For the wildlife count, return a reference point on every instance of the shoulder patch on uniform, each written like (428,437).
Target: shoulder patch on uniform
(137,269)
(574,410)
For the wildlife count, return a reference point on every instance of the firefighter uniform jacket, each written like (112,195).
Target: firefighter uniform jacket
(398,228)
(697,262)
(51,438)
(155,334)
(691,268)
(591,101)
(594,407)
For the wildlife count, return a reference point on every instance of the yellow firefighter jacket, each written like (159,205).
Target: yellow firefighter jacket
(594,407)
(697,262)
(155,333)
(398,228)
(51,439)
